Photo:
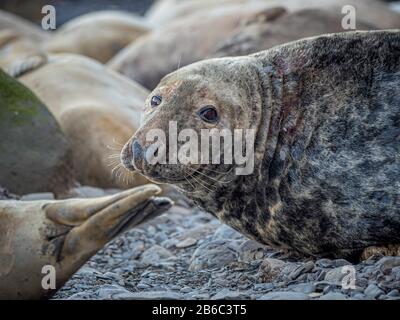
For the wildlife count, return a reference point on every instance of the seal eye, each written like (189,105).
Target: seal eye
(155,101)
(209,114)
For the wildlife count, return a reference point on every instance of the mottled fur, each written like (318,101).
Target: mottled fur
(327,153)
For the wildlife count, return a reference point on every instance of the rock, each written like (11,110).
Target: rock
(214,254)
(143,286)
(185,290)
(114,292)
(201,296)
(169,243)
(394,293)
(112,276)
(155,254)
(335,275)
(386,264)
(315,295)
(81,296)
(340,263)
(333,296)
(358,296)
(35,157)
(324,263)
(325,285)
(188,242)
(306,288)
(373,291)
(88,272)
(136,248)
(225,232)
(156,295)
(38,196)
(284,295)
(198,232)
(269,269)
(251,250)
(303,268)
(226,294)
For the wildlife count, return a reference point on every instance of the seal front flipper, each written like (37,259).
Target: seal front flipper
(19,55)
(20,67)
(62,235)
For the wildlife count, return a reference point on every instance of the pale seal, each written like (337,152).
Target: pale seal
(97,109)
(326,179)
(188,38)
(64,235)
(183,41)
(19,54)
(22,26)
(262,35)
(99,35)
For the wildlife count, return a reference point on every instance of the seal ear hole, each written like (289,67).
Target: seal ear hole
(209,114)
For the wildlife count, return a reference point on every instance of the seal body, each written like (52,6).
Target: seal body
(183,41)
(262,35)
(97,109)
(326,179)
(39,236)
(99,35)
(22,26)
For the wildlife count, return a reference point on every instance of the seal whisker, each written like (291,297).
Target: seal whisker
(194,188)
(116,168)
(179,62)
(116,155)
(213,179)
(192,176)
(115,141)
(114,148)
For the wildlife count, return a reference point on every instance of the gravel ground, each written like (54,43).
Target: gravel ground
(188,254)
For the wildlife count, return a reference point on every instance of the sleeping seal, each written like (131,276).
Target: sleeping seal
(326,117)
(64,234)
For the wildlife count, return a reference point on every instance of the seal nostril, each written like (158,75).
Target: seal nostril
(137,151)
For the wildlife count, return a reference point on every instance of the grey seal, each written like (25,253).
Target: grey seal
(326,179)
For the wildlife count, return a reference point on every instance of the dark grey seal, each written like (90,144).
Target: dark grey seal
(326,111)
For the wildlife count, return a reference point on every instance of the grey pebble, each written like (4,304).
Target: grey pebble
(304,268)
(227,294)
(333,296)
(303,287)
(155,255)
(373,291)
(38,196)
(394,293)
(284,295)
